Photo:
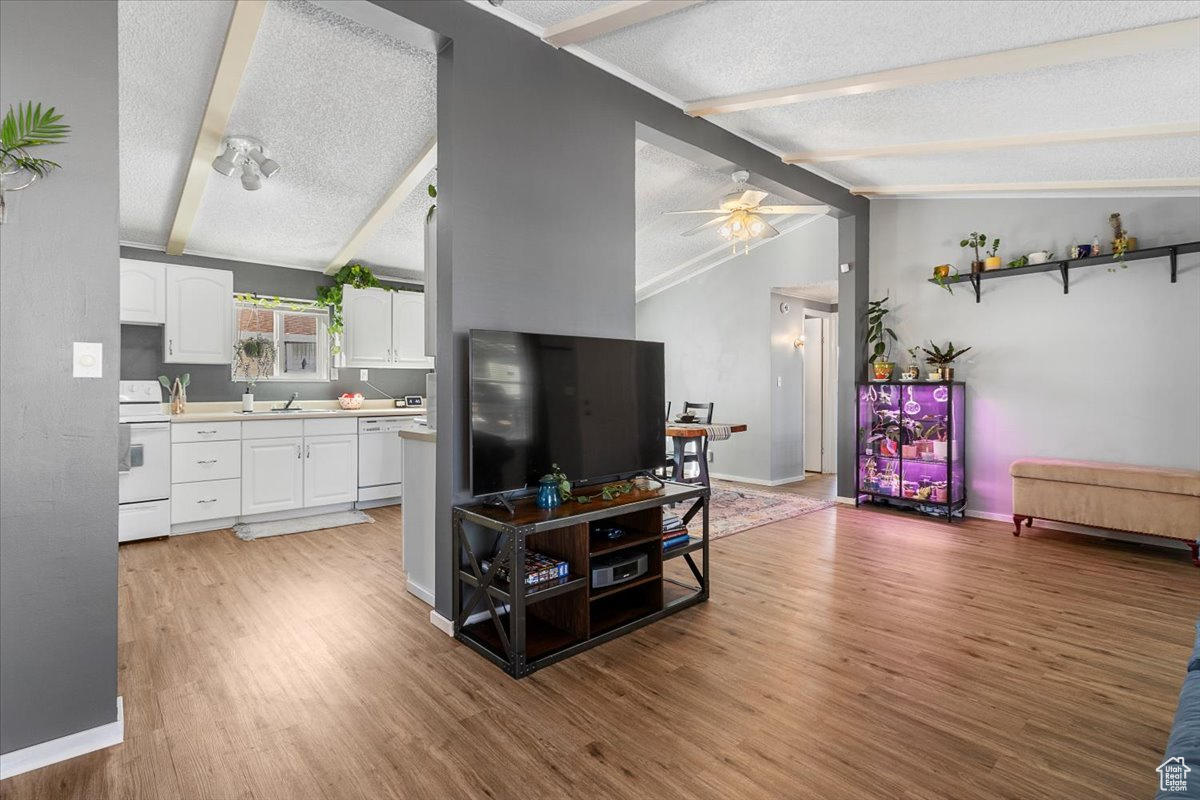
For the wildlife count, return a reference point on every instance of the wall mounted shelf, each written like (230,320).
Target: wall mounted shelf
(1064,266)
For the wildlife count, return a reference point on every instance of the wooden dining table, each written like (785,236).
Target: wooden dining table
(682,433)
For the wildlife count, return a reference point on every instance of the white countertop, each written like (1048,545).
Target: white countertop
(417,432)
(320,409)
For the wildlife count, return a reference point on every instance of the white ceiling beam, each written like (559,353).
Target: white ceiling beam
(239,41)
(609,18)
(1033,186)
(1170,35)
(403,187)
(998,143)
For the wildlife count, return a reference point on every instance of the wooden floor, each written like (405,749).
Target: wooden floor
(844,654)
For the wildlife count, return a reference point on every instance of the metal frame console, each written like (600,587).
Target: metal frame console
(522,628)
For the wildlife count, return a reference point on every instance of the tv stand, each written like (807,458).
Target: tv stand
(524,628)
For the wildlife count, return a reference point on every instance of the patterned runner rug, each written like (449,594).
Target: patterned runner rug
(734,509)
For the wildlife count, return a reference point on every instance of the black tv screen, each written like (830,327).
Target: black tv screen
(593,406)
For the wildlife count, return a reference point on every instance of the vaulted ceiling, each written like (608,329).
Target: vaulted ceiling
(710,51)
(344,108)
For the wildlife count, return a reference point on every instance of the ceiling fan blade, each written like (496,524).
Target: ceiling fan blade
(751,198)
(705,226)
(700,211)
(792,210)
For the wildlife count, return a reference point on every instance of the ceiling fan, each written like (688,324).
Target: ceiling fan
(740,217)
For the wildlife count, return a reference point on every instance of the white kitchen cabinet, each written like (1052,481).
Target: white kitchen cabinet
(330,470)
(367,327)
(408,330)
(272,475)
(143,292)
(384,329)
(199,316)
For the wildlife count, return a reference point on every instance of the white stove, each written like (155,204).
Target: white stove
(144,462)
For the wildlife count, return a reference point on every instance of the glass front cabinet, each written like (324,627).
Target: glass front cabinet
(911,445)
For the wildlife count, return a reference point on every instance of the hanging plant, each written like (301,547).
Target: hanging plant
(354,275)
(21,130)
(253,359)
(433,207)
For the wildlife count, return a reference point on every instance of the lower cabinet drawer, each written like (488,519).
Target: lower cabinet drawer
(143,520)
(205,461)
(193,502)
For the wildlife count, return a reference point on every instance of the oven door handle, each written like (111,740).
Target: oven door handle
(137,455)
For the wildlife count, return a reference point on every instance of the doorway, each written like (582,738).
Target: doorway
(820,384)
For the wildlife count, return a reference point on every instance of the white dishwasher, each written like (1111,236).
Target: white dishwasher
(380,466)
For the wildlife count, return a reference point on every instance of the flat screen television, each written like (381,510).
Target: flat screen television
(593,406)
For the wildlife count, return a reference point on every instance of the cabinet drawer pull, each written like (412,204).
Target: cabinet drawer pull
(209,461)
(170,347)
(213,500)
(308,451)
(297,451)
(204,433)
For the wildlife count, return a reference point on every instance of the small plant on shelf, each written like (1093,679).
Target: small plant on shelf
(993,259)
(1122,242)
(943,358)
(941,274)
(879,339)
(975,241)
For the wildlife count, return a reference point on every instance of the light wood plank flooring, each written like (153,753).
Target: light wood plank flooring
(844,654)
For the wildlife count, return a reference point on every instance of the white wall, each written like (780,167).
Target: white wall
(717,328)
(1107,372)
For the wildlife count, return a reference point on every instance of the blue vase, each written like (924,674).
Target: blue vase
(548,494)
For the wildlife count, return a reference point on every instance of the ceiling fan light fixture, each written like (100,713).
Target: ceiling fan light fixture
(250,155)
(756,226)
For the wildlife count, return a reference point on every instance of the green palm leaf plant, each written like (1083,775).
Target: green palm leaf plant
(25,128)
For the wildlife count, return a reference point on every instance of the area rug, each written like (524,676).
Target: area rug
(249,531)
(733,509)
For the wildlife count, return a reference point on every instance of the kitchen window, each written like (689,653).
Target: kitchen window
(298,333)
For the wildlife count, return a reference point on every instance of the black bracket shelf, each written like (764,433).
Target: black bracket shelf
(1064,266)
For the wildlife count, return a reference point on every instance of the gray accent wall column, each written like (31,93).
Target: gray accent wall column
(58,475)
(853,242)
(536,204)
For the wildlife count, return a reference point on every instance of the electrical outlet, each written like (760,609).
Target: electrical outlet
(362,375)
(711,456)
(779,382)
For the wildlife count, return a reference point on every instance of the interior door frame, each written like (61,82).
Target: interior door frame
(829,360)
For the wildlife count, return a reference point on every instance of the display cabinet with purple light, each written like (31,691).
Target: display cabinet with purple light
(912,445)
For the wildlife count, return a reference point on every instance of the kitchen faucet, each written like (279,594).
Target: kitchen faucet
(289,402)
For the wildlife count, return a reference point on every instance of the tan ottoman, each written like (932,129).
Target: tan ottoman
(1149,500)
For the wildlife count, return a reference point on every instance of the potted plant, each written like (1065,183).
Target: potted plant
(1122,241)
(913,370)
(253,358)
(21,130)
(943,358)
(975,241)
(941,273)
(879,339)
(993,259)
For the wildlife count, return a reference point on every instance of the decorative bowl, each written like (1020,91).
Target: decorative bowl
(351,402)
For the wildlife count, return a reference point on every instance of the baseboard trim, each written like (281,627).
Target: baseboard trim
(418,591)
(70,746)
(1103,533)
(446,626)
(846,501)
(755,481)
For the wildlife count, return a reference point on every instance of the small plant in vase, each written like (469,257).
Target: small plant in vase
(941,359)
(913,370)
(941,274)
(993,258)
(879,339)
(976,241)
(253,359)
(1122,241)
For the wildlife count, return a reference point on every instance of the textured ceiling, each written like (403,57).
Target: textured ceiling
(343,108)
(667,181)
(823,292)
(723,47)
(167,56)
(398,248)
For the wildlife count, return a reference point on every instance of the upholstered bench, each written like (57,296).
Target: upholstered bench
(1148,500)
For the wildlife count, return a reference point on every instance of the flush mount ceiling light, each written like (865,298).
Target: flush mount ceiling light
(245,154)
(740,216)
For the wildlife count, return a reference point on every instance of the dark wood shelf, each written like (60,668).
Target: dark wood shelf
(609,591)
(600,547)
(616,616)
(541,637)
(683,549)
(535,593)
(1064,266)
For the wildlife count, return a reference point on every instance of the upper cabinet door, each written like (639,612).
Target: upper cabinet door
(367,327)
(408,330)
(199,326)
(143,292)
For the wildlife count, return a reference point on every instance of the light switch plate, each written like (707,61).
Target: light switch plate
(88,360)
(362,375)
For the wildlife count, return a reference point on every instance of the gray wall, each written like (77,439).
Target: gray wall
(141,345)
(536,203)
(1107,372)
(58,477)
(726,342)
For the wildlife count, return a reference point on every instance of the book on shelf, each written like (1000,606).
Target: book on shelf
(675,539)
(538,569)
